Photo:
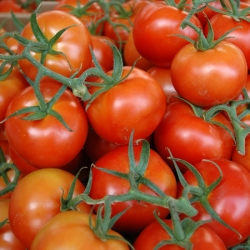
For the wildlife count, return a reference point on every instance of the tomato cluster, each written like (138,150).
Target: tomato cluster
(124,125)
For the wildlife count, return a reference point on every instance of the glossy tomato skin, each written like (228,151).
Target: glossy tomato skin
(8,241)
(203,238)
(230,199)
(163,77)
(240,36)
(131,54)
(36,199)
(137,103)
(211,77)
(139,214)
(154,27)
(191,138)
(73,43)
(71,230)
(46,142)
(9,87)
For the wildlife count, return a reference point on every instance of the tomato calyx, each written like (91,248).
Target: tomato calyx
(39,112)
(181,232)
(4,168)
(232,9)
(203,43)
(202,191)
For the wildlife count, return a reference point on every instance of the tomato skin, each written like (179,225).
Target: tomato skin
(182,131)
(30,210)
(140,213)
(8,241)
(230,199)
(211,77)
(131,54)
(239,37)
(163,77)
(113,122)
(9,87)
(53,140)
(7,6)
(203,238)
(74,43)
(71,230)
(154,26)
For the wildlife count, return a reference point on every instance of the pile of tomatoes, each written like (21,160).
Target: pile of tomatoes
(124,125)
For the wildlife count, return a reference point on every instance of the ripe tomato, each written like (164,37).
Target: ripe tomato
(7,6)
(211,77)
(47,142)
(9,87)
(73,43)
(140,213)
(37,198)
(240,36)
(154,27)
(190,137)
(137,103)
(229,199)
(163,77)
(88,16)
(114,28)
(131,54)
(71,230)
(203,238)
(8,241)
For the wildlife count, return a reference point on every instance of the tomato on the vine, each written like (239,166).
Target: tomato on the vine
(136,103)
(47,142)
(72,47)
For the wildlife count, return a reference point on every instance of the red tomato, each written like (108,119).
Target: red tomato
(137,103)
(7,6)
(73,43)
(71,230)
(8,241)
(190,137)
(203,238)
(115,27)
(131,54)
(9,87)
(87,16)
(140,213)
(154,27)
(240,36)
(211,77)
(163,77)
(37,198)
(229,199)
(47,142)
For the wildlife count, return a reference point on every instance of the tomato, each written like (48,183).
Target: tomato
(9,87)
(114,28)
(8,241)
(73,43)
(137,103)
(211,77)
(131,54)
(140,213)
(155,27)
(47,142)
(240,36)
(229,199)
(87,16)
(7,6)
(202,238)
(163,77)
(71,230)
(190,137)
(37,198)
